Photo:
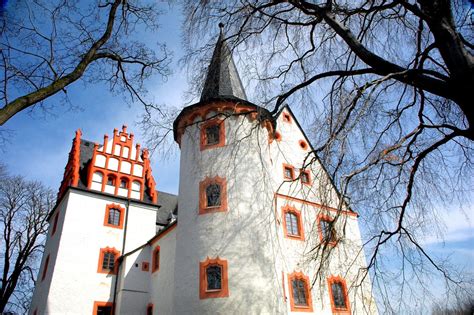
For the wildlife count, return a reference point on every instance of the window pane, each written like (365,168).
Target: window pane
(328,231)
(288,173)
(214,277)
(110,181)
(212,134)
(291,223)
(213,195)
(109,261)
(123,183)
(114,217)
(338,295)
(299,292)
(305,177)
(104,310)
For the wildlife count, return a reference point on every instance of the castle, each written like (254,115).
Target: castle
(258,226)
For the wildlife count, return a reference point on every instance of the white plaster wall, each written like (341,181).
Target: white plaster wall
(347,258)
(75,282)
(163,280)
(244,235)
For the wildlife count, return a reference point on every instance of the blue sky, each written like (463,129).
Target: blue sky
(40,142)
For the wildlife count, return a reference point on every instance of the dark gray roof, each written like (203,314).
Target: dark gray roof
(168,204)
(222,78)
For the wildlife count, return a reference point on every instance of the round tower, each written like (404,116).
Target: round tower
(226,233)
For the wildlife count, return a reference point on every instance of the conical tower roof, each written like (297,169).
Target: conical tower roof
(222,80)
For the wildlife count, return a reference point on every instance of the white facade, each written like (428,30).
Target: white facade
(264,234)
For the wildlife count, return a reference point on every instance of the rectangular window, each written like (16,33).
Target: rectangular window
(299,292)
(114,217)
(214,277)
(338,295)
(327,231)
(108,263)
(156,259)
(288,172)
(305,178)
(104,310)
(212,135)
(292,224)
(213,195)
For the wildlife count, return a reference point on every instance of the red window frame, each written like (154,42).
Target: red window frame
(300,308)
(212,122)
(155,261)
(291,169)
(325,218)
(203,208)
(107,211)
(293,210)
(338,310)
(224,291)
(98,304)
(102,252)
(308,175)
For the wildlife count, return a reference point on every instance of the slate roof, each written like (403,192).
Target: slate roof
(222,80)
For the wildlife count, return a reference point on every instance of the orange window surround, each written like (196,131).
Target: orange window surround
(338,295)
(103,307)
(111,212)
(305,177)
(108,258)
(300,293)
(288,172)
(223,291)
(204,190)
(292,223)
(211,127)
(145,266)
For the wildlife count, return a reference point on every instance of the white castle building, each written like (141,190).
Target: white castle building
(257,227)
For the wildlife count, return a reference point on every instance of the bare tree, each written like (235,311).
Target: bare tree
(48,45)
(385,86)
(24,209)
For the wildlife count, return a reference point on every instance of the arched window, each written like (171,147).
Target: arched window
(108,260)
(124,183)
(292,223)
(213,279)
(300,294)
(136,190)
(338,295)
(97,179)
(212,195)
(111,180)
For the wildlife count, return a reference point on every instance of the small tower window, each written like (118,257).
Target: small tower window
(212,135)
(213,195)
(114,216)
(214,277)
